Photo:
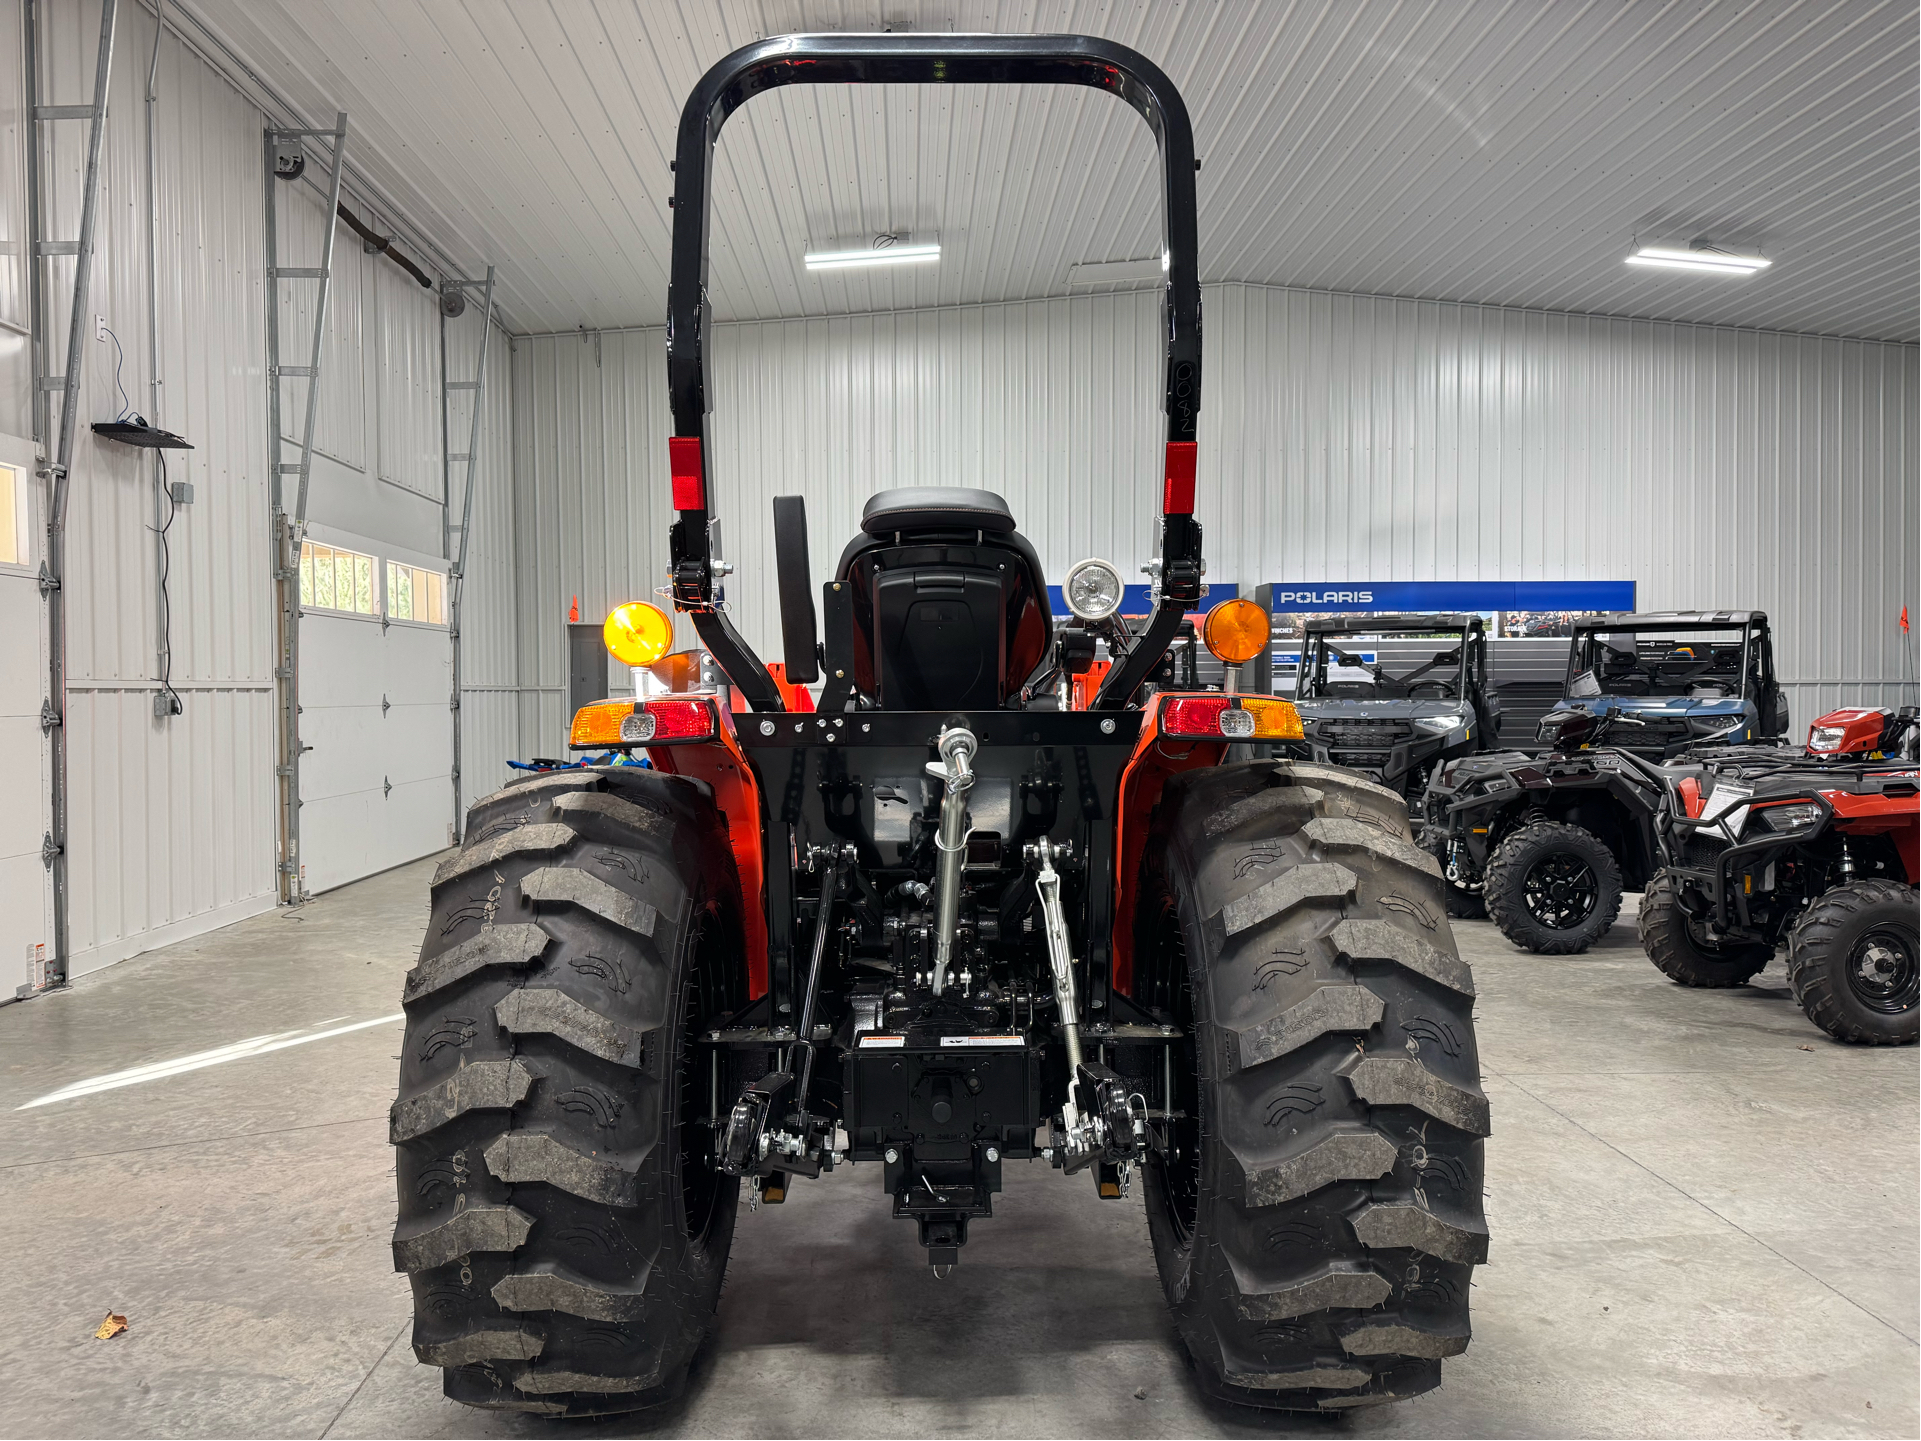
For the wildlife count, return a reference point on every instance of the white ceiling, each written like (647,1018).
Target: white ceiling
(1501,151)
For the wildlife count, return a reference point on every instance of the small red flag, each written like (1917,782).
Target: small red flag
(573,611)
(1904,620)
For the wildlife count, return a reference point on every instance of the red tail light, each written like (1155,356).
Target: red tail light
(1239,718)
(681,720)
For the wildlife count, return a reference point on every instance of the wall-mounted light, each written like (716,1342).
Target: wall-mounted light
(1699,256)
(882,249)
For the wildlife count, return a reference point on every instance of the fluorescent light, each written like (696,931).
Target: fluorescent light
(876,255)
(1716,262)
(1116,272)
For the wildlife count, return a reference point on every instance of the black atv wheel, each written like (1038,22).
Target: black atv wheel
(1315,1203)
(1852,964)
(1553,888)
(560,1220)
(1669,938)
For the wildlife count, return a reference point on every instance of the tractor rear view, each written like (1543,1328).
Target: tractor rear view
(941,921)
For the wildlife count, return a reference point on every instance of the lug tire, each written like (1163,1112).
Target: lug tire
(1317,1237)
(1670,944)
(565,1254)
(1506,880)
(1822,946)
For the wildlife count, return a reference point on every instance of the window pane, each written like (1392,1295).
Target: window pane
(306,574)
(323,577)
(364,584)
(344,579)
(436,611)
(400,592)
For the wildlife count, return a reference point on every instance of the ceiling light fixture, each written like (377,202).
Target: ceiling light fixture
(883,249)
(1699,256)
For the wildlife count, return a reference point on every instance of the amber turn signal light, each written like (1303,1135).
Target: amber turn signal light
(637,633)
(1236,631)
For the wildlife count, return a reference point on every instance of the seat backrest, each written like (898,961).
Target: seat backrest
(950,609)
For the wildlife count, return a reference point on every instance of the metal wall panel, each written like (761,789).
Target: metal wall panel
(407,324)
(340,421)
(1344,438)
(490,650)
(171,821)
(1348,438)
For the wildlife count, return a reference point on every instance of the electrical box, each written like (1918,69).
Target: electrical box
(586,666)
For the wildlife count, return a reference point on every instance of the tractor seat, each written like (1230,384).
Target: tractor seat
(936,507)
(950,607)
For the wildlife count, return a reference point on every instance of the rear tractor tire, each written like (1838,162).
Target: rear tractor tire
(1668,937)
(1852,963)
(1553,888)
(562,1227)
(1316,1208)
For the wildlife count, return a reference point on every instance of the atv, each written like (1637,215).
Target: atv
(939,925)
(1692,678)
(1396,725)
(1817,848)
(1546,844)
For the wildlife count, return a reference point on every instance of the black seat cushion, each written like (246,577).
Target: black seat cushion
(936,507)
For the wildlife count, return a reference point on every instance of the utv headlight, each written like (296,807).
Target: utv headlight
(1792,817)
(1439,725)
(1093,589)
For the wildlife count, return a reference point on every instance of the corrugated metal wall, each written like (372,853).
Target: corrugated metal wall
(490,647)
(1365,439)
(1344,438)
(172,822)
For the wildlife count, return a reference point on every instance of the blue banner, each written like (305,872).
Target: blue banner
(1453,595)
(1136,600)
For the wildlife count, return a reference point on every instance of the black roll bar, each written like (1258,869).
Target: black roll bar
(909,60)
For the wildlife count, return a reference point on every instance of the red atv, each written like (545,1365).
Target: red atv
(1817,847)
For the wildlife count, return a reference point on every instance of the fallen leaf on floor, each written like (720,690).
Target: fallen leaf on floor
(1807,1048)
(1141,1395)
(110,1327)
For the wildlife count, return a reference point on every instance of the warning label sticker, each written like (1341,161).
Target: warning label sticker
(881,1043)
(982,1041)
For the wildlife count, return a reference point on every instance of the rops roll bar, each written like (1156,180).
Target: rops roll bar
(909,60)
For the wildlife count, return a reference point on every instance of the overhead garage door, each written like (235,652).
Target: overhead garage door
(375,787)
(25,895)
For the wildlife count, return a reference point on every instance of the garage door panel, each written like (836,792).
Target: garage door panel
(417,742)
(348,750)
(419,667)
(341,662)
(376,788)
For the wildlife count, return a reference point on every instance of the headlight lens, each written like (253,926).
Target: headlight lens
(1789,817)
(1093,589)
(1826,738)
(1439,725)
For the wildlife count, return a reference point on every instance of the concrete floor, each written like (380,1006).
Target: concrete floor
(1704,1219)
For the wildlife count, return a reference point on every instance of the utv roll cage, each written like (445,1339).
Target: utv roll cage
(1467,668)
(930,59)
(1745,669)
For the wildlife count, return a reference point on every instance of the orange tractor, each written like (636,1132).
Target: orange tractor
(941,919)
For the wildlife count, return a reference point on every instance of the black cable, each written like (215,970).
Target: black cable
(177,706)
(120,357)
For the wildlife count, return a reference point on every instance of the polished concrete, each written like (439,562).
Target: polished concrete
(1704,1223)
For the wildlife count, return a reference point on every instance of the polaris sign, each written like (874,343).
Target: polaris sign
(1473,596)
